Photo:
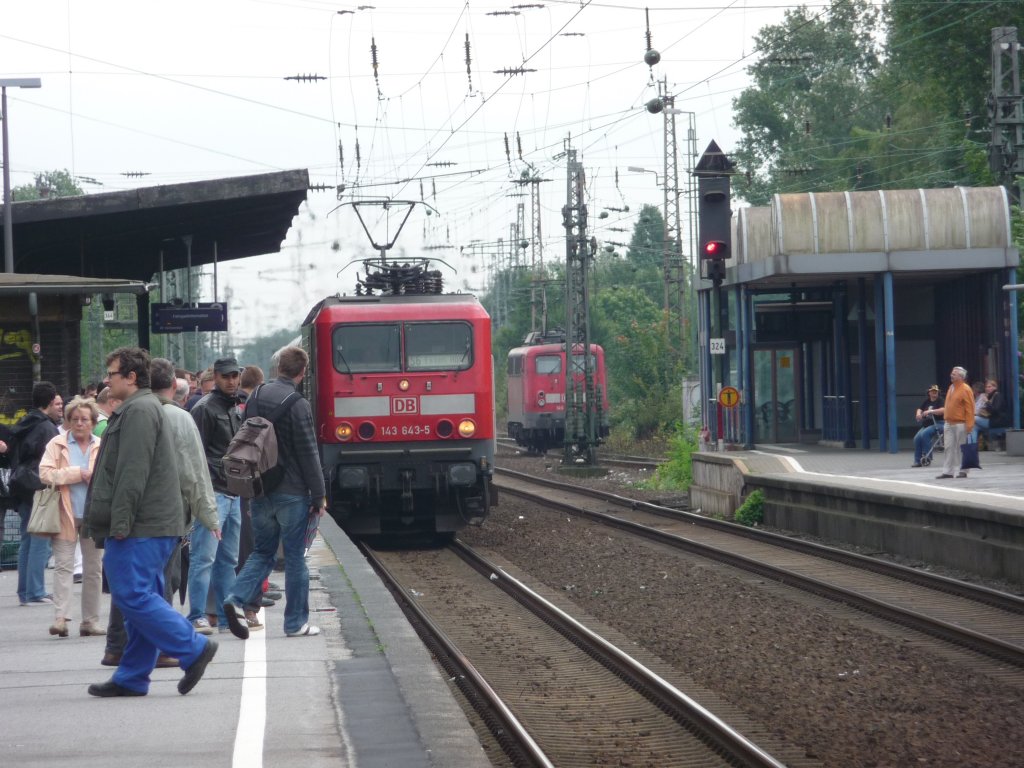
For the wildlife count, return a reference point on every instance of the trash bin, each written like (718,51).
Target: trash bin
(1015,442)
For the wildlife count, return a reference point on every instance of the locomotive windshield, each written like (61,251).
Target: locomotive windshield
(577,363)
(367,348)
(376,347)
(549,364)
(438,346)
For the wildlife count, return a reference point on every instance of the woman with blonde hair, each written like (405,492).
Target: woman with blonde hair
(68,464)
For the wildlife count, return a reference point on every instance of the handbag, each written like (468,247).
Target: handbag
(969,455)
(45,517)
(6,491)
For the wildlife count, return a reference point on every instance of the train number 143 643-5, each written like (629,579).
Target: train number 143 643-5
(406,430)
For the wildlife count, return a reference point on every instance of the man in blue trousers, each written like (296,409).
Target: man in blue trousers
(135,510)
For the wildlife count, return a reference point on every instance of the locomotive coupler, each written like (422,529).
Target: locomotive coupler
(406,478)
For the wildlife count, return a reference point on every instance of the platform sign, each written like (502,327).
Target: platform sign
(205,316)
(729,397)
(717,346)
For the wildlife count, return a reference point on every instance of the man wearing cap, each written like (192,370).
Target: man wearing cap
(929,416)
(212,563)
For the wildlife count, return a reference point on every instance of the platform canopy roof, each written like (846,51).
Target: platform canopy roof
(122,235)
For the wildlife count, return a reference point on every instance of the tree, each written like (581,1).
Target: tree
(48,184)
(809,91)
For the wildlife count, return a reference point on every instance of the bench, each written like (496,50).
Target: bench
(993,434)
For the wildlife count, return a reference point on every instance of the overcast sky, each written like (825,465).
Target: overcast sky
(187,90)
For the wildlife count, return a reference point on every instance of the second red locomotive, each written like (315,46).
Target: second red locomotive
(402,389)
(537,386)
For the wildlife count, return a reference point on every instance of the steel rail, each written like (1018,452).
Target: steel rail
(980,594)
(513,737)
(714,731)
(976,641)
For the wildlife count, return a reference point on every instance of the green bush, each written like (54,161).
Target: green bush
(676,473)
(751,511)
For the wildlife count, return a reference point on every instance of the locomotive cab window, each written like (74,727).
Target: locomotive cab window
(548,364)
(577,363)
(438,346)
(367,348)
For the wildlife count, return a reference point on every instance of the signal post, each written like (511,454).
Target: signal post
(715,247)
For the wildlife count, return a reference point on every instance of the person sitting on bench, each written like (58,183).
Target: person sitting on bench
(994,415)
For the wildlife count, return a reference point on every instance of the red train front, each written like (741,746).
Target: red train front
(536,390)
(402,388)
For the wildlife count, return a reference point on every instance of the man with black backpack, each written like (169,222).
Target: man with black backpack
(291,494)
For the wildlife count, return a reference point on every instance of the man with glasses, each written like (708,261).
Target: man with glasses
(134,512)
(211,562)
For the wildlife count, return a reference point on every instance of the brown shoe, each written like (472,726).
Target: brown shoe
(212,618)
(87,629)
(163,661)
(252,620)
(111,659)
(59,628)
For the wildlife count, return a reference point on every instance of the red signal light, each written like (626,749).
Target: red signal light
(715,249)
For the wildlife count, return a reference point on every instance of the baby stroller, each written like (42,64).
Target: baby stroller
(936,442)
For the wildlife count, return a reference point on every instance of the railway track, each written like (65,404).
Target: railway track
(553,691)
(507,447)
(968,616)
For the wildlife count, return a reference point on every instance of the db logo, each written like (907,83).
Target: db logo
(404,405)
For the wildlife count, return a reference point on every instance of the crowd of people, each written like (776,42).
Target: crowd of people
(145,512)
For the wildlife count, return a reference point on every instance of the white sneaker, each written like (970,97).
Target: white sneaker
(305,629)
(202,626)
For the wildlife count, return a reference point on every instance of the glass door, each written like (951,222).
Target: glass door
(776,394)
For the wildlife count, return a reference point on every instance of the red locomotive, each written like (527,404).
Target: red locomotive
(402,390)
(536,390)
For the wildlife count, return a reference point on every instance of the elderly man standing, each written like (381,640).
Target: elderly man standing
(959,415)
(134,508)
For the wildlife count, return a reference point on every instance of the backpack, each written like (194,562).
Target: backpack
(251,467)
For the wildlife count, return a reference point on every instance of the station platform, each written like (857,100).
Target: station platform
(363,693)
(880,502)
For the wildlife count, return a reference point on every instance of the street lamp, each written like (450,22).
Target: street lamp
(15,82)
(635,169)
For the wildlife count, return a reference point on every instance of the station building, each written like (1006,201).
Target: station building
(840,309)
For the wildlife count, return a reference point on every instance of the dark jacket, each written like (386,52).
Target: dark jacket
(30,436)
(296,438)
(218,417)
(134,490)
(998,414)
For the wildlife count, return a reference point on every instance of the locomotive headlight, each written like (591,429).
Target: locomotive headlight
(403,385)
(467,428)
(541,399)
(344,431)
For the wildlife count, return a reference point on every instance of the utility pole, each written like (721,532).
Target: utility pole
(581,402)
(1006,112)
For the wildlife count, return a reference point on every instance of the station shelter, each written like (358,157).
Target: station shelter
(71,248)
(840,309)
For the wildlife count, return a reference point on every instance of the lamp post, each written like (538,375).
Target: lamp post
(15,82)
(635,169)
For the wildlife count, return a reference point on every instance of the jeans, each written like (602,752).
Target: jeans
(33,555)
(923,439)
(135,572)
(212,563)
(278,517)
(980,423)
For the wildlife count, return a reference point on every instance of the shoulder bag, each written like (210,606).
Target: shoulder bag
(969,455)
(45,517)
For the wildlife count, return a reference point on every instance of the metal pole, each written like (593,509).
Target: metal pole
(8,229)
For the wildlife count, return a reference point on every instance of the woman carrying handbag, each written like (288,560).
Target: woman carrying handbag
(68,464)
